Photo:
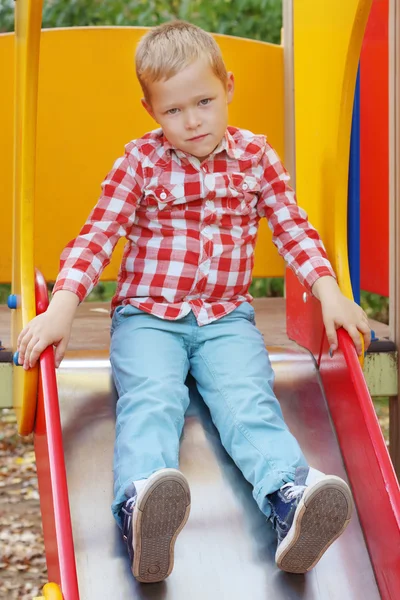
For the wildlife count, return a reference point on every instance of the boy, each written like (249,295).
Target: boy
(188,197)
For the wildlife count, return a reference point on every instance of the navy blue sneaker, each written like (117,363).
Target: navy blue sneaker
(309,515)
(151,522)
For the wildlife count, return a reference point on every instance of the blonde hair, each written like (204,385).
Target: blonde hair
(167,49)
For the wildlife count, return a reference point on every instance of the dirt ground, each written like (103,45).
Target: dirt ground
(22,561)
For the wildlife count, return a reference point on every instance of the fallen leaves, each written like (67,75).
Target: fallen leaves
(22,560)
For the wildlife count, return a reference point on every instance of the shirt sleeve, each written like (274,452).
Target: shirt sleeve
(296,239)
(85,257)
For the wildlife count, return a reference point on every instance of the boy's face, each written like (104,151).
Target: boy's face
(192,108)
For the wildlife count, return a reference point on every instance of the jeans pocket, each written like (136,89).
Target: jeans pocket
(116,318)
(247,311)
(121,313)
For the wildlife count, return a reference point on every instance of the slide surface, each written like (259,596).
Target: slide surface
(227,548)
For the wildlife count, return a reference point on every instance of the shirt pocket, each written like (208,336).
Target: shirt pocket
(242,192)
(163,196)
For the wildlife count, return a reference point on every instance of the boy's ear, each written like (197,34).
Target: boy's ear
(230,86)
(148,108)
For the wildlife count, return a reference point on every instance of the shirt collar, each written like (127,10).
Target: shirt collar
(228,145)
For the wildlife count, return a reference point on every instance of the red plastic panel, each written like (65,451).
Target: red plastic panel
(50,463)
(303,316)
(371,474)
(374,219)
(369,468)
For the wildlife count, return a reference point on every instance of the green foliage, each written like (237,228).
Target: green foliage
(5,290)
(6,15)
(258,19)
(102,292)
(270,287)
(376,307)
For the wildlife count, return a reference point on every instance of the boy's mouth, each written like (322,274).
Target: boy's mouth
(198,137)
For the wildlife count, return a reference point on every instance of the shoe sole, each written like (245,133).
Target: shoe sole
(321,517)
(160,514)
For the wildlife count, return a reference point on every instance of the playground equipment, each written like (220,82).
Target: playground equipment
(88,107)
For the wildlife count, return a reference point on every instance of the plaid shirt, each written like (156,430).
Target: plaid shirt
(191,227)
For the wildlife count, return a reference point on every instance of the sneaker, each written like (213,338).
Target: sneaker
(151,522)
(309,515)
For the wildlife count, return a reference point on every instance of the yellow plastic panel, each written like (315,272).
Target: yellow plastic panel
(51,591)
(7,87)
(327,43)
(28,18)
(89,107)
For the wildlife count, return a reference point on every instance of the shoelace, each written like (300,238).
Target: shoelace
(129,505)
(292,491)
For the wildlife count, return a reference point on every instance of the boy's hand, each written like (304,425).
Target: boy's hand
(53,327)
(43,331)
(339,311)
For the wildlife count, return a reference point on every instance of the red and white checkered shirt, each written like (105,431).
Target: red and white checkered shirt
(191,227)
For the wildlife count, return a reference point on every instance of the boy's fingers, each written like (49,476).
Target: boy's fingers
(355,336)
(365,318)
(60,352)
(28,351)
(23,346)
(332,336)
(33,351)
(37,350)
(21,337)
(366,331)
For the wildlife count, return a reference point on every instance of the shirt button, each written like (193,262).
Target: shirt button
(163,195)
(245,186)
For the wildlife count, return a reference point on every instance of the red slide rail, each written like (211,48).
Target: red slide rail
(369,468)
(372,477)
(375,487)
(54,503)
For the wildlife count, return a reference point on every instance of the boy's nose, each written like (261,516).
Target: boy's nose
(192,121)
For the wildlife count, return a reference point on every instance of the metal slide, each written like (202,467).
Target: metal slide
(227,548)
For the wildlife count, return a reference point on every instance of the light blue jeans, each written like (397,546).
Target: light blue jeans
(150,360)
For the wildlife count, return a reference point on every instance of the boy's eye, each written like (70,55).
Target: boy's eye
(205,101)
(172,111)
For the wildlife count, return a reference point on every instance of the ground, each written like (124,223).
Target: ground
(22,560)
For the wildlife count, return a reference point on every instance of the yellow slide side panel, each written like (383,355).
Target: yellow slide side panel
(327,43)
(51,591)
(28,18)
(89,108)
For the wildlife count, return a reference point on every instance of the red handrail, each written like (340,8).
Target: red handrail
(56,517)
